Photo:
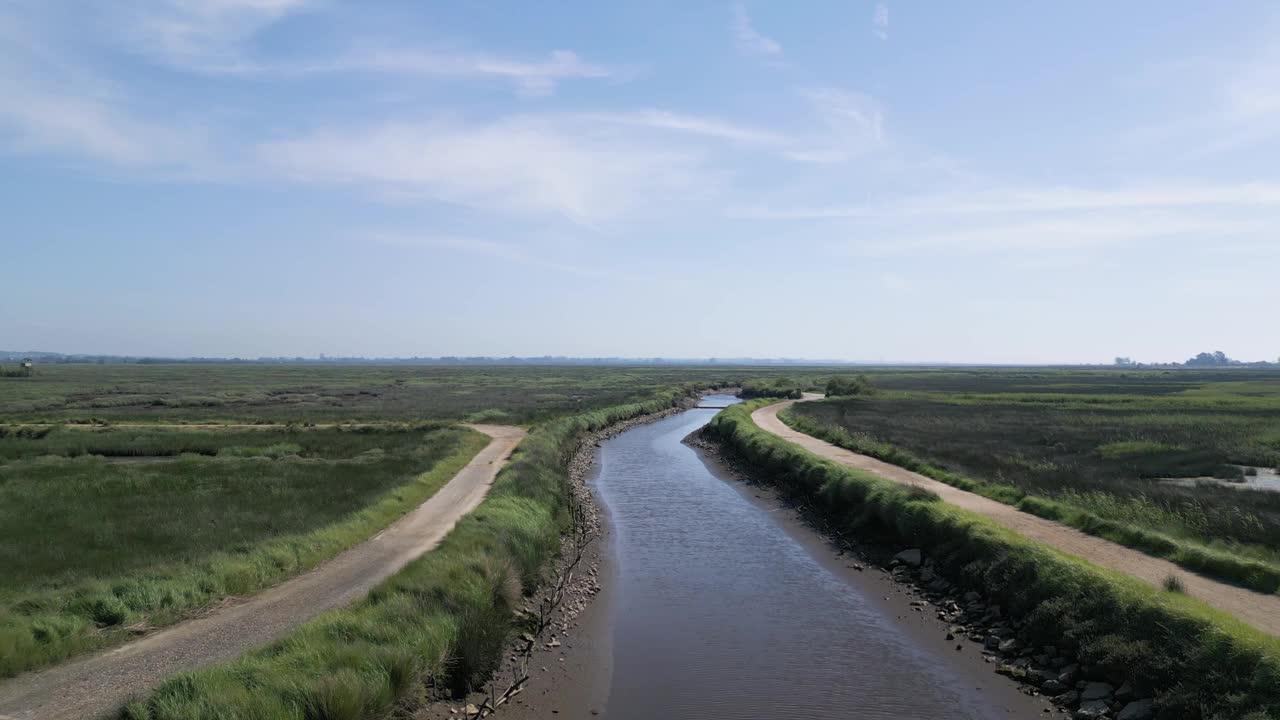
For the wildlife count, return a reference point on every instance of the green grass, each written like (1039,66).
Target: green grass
(444,618)
(1160,530)
(93,543)
(1098,441)
(1200,663)
(309,393)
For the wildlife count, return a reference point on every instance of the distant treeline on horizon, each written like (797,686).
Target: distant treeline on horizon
(1203,360)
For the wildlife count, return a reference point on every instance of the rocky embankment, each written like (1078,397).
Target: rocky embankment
(1046,670)
(1051,671)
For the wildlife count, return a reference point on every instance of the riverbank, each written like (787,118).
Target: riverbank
(569,667)
(571,676)
(1197,663)
(439,625)
(871,569)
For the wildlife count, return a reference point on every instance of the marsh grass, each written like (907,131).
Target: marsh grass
(1182,533)
(184,392)
(1104,453)
(89,546)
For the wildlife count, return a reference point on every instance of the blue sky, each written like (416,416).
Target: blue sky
(892,181)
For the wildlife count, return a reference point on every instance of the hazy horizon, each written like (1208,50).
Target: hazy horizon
(461,359)
(995,183)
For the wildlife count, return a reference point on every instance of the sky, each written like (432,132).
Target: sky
(1001,182)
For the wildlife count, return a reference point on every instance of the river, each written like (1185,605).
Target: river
(724,606)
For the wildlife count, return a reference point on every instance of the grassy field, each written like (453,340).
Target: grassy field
(308,393)
(441,621)
(102,529)
(1200,663)
(109,524)
(1100,443)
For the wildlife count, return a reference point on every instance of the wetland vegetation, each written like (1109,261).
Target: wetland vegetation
(1092,449)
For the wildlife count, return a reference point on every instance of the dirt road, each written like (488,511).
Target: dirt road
(101,683)
(1256,609)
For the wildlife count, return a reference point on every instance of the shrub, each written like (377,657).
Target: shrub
(844,385)
(777,387)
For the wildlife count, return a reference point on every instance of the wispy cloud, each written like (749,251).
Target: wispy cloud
(1211,105)
(880,21)
(201,35)
(1079,232)
(95,128)
(210,37)
(1015,200)
(54,105)
(507,252)
(534,77)
(750,40)
(854,124)
(709,127)
(523,164)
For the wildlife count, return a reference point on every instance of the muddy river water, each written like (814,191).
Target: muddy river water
(723,607)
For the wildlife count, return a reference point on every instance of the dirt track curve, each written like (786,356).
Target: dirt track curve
(1257,609)
(101,683)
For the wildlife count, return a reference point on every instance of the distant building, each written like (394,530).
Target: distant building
(27,365)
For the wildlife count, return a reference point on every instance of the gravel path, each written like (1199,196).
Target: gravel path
(1257,609)
(100,684)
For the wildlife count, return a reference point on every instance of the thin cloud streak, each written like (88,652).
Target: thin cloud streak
(1246,195)
(880,21)
(477,246)
(750,40)
(532,77)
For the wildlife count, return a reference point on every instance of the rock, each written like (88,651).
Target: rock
(1097,691)
(1068,699)
(909,557)
(1009,646)
(926,575)
(1137,710)
(1068,674)
(1052,687)
(1125,693)
(972,596)
(1040,676)
(1091,709)
(992,642)
(471,710)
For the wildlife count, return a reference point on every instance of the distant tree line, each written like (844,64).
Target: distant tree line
(1215,359)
